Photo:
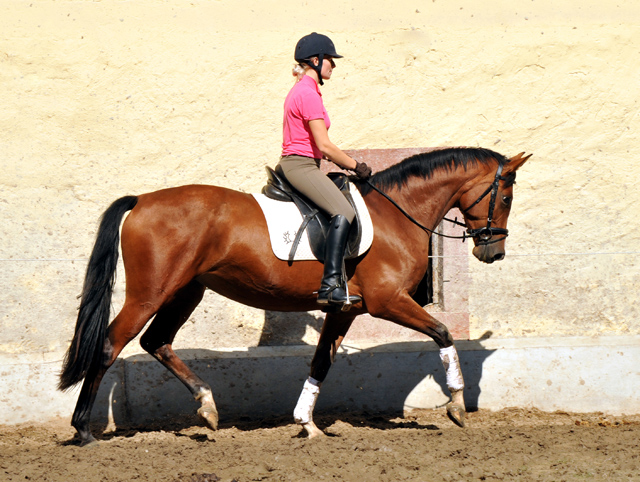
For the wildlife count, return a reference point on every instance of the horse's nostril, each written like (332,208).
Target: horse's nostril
(498,257)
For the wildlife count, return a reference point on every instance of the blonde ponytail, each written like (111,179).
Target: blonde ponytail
(298,71)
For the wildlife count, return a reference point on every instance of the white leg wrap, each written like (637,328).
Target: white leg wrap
(303,413)
(449,357)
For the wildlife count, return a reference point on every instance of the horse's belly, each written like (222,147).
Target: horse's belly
(295,297)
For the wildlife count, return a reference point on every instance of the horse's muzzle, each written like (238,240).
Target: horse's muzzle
(488,253)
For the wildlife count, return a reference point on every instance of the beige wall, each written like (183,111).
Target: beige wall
(103,99)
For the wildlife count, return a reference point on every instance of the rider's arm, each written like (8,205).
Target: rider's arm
(328,148)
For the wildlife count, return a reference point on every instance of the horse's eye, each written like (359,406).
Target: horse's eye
(506,200)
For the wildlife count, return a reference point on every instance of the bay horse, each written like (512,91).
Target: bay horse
(177,242)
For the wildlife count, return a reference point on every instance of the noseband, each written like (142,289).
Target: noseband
(485,234)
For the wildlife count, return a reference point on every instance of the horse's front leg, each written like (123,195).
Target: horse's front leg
(406,312)
(456,408)
(334,329)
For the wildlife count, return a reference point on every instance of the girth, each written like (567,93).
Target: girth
(315,221)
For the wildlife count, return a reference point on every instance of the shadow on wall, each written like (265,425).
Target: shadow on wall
(284,328)
(263,383)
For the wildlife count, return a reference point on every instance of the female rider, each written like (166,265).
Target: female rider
(305,143)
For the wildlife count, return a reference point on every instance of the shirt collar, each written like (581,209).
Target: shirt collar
(308,79)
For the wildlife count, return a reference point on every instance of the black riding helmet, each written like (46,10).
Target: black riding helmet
(315,45)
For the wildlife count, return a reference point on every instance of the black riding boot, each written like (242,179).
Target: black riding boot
(332,290)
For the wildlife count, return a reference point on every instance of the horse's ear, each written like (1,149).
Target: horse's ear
(516,162)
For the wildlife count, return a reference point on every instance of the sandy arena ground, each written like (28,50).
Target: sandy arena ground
(507,445)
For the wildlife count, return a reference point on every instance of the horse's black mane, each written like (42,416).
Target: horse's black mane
(424,165)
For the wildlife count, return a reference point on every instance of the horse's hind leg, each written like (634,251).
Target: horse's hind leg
(122,330)
(159,336)
(334,329)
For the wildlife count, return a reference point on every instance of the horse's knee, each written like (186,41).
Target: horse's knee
(441,335)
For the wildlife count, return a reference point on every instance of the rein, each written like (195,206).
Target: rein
(485,233)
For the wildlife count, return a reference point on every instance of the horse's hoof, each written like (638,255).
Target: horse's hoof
(312,430)
(210,416)
(89,442)
(456,413)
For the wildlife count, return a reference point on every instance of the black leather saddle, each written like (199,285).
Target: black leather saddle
(314,220)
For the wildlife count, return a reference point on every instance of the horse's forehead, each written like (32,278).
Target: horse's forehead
(485,170)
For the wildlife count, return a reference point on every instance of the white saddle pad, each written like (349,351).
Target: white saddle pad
(284,220)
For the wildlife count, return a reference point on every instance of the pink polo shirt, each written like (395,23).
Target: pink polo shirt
(303,104)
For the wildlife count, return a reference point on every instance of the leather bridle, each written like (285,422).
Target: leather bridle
(485,234)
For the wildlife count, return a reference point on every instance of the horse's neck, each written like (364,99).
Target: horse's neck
(429,200)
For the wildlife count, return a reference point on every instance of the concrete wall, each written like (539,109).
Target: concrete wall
(103,99)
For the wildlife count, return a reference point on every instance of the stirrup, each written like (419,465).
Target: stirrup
(336,305)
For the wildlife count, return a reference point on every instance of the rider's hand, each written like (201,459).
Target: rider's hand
(362,171)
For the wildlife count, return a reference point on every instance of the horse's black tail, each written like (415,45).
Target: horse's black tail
(86,350)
